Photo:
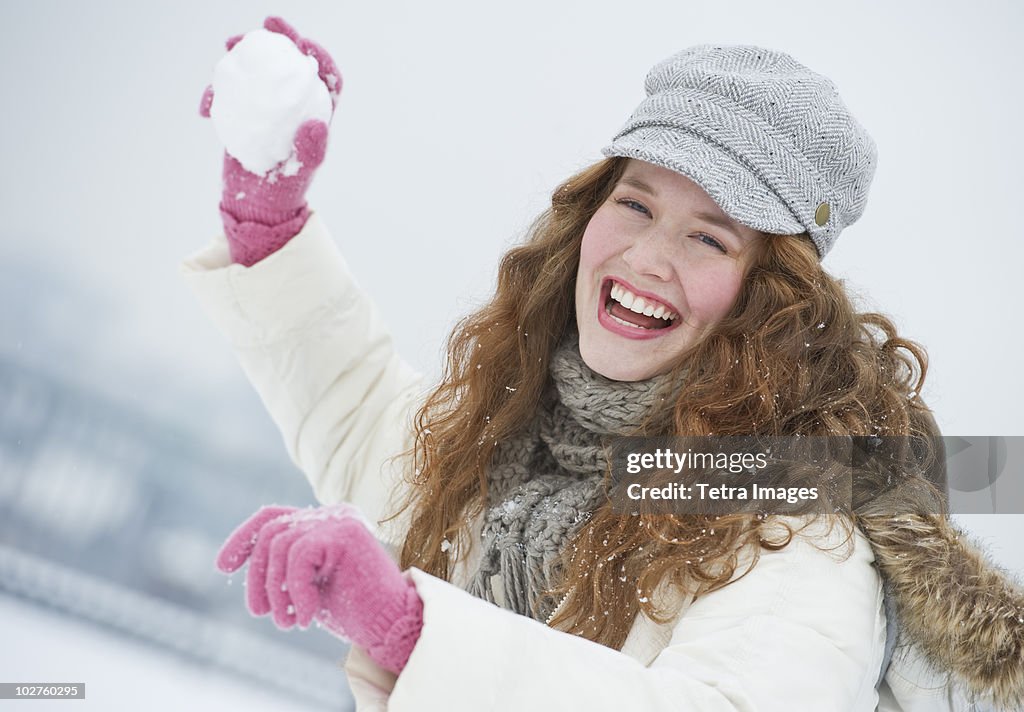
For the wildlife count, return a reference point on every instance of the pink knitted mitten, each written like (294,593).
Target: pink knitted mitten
(261,213)
(324,564)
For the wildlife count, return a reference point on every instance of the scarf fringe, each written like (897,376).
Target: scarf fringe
(525,582)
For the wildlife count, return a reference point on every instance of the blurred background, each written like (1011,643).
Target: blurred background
(130,441)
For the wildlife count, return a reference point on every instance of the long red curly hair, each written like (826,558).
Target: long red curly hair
(792,357)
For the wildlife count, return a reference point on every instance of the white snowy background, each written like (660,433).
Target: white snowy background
(455,122)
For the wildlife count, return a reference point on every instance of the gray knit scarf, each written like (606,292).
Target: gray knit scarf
(544,483)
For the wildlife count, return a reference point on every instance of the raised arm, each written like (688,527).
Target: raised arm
(311,342)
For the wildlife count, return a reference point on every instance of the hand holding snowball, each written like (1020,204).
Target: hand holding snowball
(323,564)
(272,97)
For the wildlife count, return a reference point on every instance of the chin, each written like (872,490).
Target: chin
(615,367)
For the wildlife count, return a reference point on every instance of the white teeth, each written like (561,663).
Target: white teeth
(640,305)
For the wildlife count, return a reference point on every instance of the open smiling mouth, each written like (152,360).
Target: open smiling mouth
(629,311)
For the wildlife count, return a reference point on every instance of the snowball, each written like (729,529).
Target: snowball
(263,90)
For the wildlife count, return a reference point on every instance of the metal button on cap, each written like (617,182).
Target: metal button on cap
(821,214)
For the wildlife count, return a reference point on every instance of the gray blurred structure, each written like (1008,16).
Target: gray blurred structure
(110,516)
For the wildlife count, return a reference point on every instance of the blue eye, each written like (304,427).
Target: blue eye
(633,205)
(639,207)
(708,240)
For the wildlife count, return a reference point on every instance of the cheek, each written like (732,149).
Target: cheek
(600,243)
(712,296)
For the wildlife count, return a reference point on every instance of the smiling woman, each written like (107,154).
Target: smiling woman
(647,253)
(673,289)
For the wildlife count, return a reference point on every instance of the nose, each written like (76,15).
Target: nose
(649,255)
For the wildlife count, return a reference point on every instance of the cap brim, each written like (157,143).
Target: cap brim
(734,187)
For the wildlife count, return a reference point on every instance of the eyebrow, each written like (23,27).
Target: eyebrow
(713,218)
(639,185)
(722,222)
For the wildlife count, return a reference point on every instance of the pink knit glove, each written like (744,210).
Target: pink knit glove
(261,213)
(324,564)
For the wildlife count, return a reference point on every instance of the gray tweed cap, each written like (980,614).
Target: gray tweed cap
(768,139)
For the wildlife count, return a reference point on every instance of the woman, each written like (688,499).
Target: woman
(672,289)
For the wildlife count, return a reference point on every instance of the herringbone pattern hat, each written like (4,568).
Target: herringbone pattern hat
(768,139)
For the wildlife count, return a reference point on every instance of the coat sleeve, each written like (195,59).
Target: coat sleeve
(317,352)
(802,631)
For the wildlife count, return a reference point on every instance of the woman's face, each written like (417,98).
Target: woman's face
(660,264)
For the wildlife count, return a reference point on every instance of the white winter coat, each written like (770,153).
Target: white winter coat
(803,631)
